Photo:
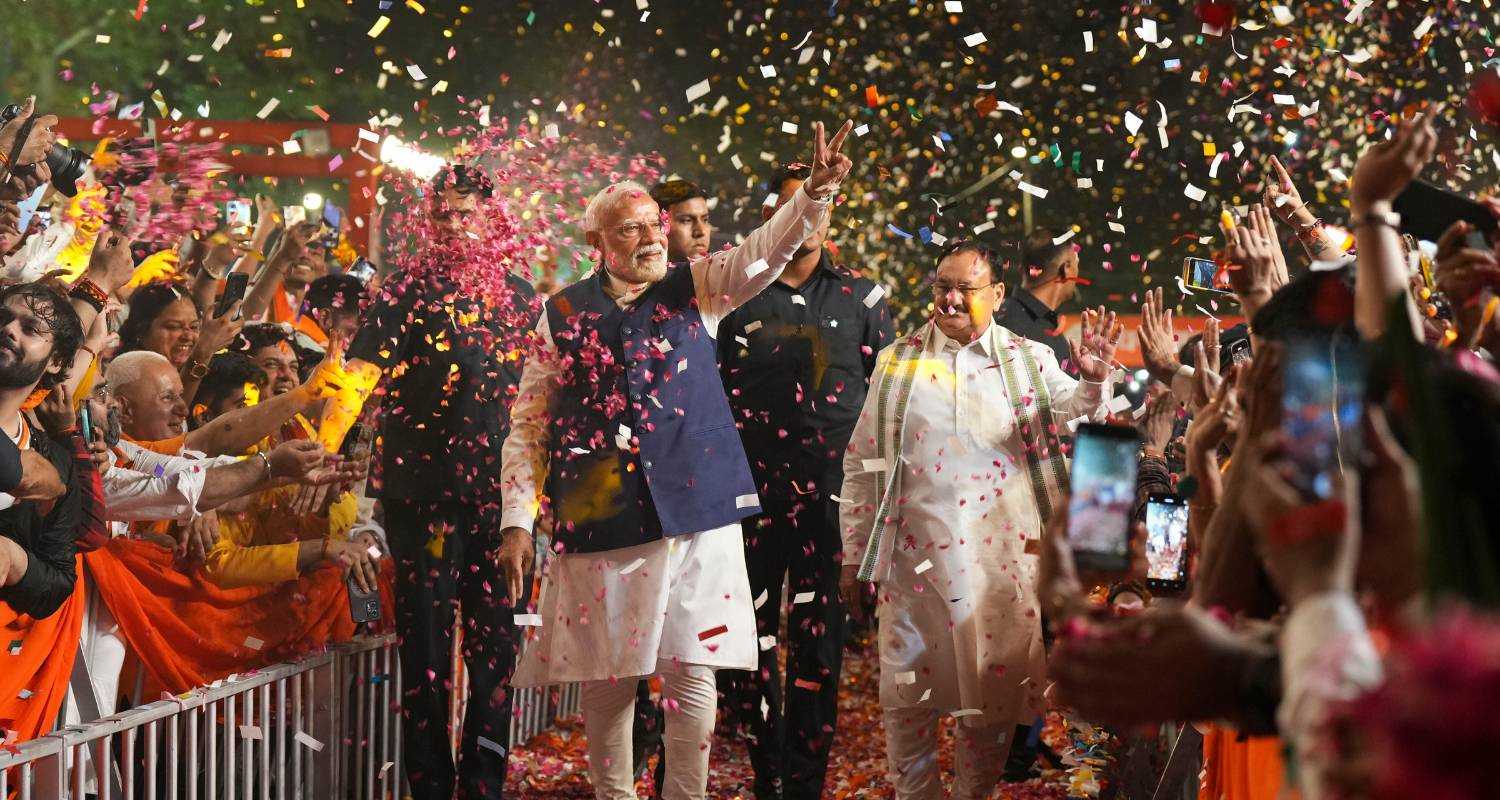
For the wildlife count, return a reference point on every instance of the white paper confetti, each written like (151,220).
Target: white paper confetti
(924,566)
(633,566)
(309,742)
(872,465)
(250,732)
(756,267)
(804,597)
(876,292)
(491,745)
(747,501)
(254,643)
(767,643)
(697,90)
(528,620)
(974,39)
(1194,193)
(265,110)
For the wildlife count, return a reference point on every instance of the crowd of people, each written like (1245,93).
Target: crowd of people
(710,464)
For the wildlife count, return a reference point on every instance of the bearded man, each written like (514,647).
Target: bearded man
(622,421)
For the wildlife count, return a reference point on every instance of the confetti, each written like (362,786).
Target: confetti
(308,742)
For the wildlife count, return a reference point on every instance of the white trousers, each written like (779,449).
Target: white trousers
(690,699)
(911,747)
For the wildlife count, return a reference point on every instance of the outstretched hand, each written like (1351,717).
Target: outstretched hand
(829,164)
(1094,352)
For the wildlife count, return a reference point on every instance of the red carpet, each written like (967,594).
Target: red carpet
(554,764)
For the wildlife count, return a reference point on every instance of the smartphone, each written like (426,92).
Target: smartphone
(332,216)
(1166,542)
(1427,211)
(362,269)
(85,423)
(293,215)
(1204,273)
(1103,493)
(234,291)
(363,606)
(237,216)
(112,431)
(1323,384)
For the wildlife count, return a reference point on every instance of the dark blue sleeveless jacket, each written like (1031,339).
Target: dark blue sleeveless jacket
(642,443)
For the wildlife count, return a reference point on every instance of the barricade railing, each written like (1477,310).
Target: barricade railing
(325,726)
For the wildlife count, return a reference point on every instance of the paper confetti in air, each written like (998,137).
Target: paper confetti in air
(974,39)
(254,643)
(767,642)
(697,90)
(309,742)
(804,597)
(924,566)
(873,465)
(250,732)
(1194,193)
(967,712)
(379,26)
(761,598)
(876,292)
(1118,403)
(904,678)
(756,267)
(265,110)
(528,620)
(717,630)
(491,745)
(747,501)
(632,566)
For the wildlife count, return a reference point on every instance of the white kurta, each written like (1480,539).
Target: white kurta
(960,628)
(614,614)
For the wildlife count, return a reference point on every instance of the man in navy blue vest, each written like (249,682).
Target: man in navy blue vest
(622,422)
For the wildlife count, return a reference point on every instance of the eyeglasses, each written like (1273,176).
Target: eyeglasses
(942,289)
(634,230)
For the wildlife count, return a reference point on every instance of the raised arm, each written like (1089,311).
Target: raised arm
(1094,353)
(1380,269)
(723,280)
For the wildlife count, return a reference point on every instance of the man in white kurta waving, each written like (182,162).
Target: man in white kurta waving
(953,468)
(622,424)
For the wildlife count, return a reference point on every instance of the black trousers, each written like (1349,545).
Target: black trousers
(443,564)
(797,539)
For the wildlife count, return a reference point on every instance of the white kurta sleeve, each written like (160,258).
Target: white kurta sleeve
(524,458)
(723,281)
(861,492)
(1327,657)
(1071,397)
(134,496)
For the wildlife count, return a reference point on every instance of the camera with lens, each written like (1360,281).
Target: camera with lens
(67,163)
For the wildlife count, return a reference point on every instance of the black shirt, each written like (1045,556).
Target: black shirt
(49,541)
(1024,315)
(453,365)
(796,363)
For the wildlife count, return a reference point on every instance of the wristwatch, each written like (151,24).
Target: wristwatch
(197,370)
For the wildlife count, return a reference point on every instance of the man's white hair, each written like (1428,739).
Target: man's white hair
(605,201)
(127,368)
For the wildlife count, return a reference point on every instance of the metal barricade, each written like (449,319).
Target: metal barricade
(322,727)
(325,726)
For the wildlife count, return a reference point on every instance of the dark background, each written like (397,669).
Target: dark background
(622,83)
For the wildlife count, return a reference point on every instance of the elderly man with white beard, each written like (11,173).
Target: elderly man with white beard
(622,422)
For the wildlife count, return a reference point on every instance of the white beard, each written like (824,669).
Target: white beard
(637,270)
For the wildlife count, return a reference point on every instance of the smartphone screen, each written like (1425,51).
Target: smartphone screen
(237,216)
(1203,273)
(1103,492)
(1166,540)
(1321,401)
(234,291)
(332,216)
